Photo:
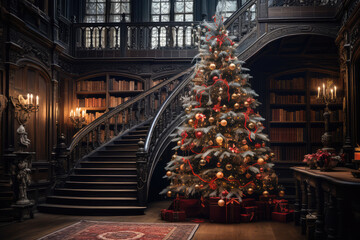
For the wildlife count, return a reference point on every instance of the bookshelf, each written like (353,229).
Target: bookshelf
(99,94)
(295,118)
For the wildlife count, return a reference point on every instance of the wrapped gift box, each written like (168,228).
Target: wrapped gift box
(269,198)
(230,213)
(191,207)
(283,216)
(173,216)
(245,217)
(248,202)
(263,210)
(252,211)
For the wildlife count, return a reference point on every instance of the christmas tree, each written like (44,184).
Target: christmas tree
(221,150)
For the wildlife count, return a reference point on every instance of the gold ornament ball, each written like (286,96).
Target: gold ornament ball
(179,143)
(244,141)
(272,155)
(202,162)
(211,119)
(232,66)
(260,161)
(219,98)
(281,193)
(245,148)
(231,177)
(168,173)
(251,125)
(248,175)
(210,142)
(250,191)
(219,140)
(265,193)
(191,122)
(223,122)
(174,156)
(246,104)
(212,66)
(221,90)
(169,193)
(224,108)
(182,167)
(197,186)
(228,166)
(241,170)
(234,96)
(187,110)
(221,203)
(197,116)
(236,106)
(219,174)
(182,148)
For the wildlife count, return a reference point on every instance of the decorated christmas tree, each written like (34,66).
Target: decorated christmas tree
(221,148)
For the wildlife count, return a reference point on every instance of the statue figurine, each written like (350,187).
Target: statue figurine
(24,141)
(23,177)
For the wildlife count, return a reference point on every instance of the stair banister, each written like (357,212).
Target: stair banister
(145,101)
(150,150)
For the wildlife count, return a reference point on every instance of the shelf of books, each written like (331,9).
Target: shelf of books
(98,94)
(296,121)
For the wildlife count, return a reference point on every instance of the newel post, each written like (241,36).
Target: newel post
(59,162)
(142,174)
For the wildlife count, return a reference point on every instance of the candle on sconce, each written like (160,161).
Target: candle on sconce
(28,98)
(318,92)
(332,93)
(71,113)
(335,91)
(324,89)
(83,113)
(37,100)
(31,98)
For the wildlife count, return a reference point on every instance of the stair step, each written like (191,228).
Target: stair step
(100,185)
(96,192)
(142,131)
(91,210)
(117,151)
(127,141)
(113,157)
(93,201)
(106,164)
(103,178)
(135,136)
(103,171)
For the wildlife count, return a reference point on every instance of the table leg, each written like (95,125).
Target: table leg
(303,211)
(319,224)
(297,203)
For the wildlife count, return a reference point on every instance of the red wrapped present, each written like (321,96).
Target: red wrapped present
(283,216)
(263,210)
(281,205)
(191,207)
(247,202)
(173,216)
(245,217)
(229,213)
(252,211)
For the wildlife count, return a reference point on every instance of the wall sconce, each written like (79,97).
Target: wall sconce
(23,108)
(78,117)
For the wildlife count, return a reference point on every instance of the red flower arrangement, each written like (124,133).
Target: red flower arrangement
(323,159)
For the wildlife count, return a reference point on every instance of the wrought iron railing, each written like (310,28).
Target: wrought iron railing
(135,36)
(166,120)
(243,21)
(288,3)
(120,119)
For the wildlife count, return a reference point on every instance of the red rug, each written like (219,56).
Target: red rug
(89,230)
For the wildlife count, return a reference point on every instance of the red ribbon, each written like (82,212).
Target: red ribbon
(184,135)
(231,201)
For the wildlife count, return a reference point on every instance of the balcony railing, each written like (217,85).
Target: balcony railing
(126,36)
(298,3)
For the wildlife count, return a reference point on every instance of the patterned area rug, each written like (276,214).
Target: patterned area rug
(89,230)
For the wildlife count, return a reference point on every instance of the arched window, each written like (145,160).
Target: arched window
(161,11)
(102,11)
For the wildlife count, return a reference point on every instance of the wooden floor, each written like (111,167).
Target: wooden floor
(44,224)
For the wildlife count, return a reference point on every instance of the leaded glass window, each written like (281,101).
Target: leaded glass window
(117,8)
(95,11)
(229,9)
(160,12)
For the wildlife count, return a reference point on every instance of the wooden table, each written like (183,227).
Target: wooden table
(334,197)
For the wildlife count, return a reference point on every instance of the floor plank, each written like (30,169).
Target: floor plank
(44,224)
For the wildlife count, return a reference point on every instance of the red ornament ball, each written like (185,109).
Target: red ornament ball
(257,145)
(263,145)
(218,164)
(225,193)
(199,134)
(249,100)
(258,176)
(215,78)
(261,169)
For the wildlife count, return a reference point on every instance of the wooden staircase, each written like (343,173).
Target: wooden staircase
(103,183)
